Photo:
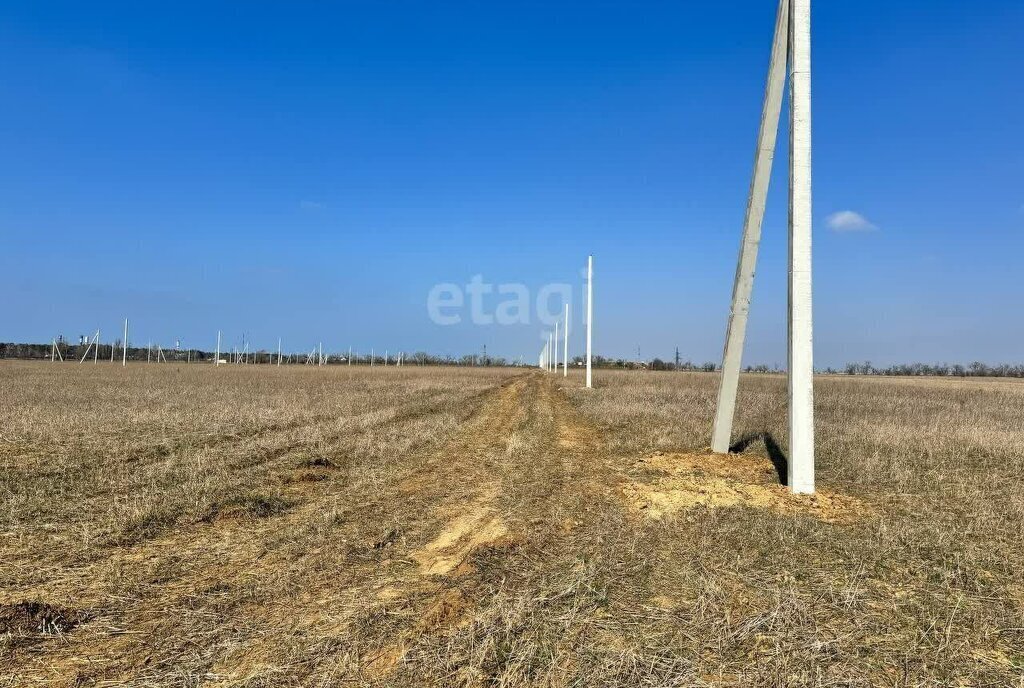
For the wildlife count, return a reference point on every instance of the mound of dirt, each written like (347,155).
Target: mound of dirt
(32,618)
(688,481)
(249,506)
(317,462)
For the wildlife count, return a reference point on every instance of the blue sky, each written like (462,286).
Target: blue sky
(312,170)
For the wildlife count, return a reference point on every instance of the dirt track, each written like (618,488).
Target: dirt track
(518,475)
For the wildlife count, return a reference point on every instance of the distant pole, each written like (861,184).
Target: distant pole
(385,358)
(556,346)
(350,355)
(216,360)
(124,354)
(590,314)
(565,344)
(96,351)
(149,351)
(321,354)
(371,356)
(278,352)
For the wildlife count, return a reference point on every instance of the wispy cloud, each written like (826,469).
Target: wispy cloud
(311,205)
(849,221)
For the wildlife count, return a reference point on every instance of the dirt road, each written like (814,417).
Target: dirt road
(365,578)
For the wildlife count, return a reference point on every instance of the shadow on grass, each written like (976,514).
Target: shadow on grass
(775,453)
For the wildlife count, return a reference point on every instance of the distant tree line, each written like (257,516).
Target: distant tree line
(976,369)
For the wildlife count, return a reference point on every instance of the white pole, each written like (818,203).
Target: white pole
(350,355)
(744,282)
(96,351)
(590,313)
(556,346)
(565,345)
(124,354)
(216,360)
(801,339)
(278,352)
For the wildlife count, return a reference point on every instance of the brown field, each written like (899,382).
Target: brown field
(181,525)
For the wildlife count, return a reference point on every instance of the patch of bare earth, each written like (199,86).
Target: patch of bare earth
(685,481)
(478,525)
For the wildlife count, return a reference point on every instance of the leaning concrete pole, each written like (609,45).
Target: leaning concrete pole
(801,362)
(590,314)
(744,282)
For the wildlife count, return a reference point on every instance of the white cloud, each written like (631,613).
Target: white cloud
(311,205)
(849,221)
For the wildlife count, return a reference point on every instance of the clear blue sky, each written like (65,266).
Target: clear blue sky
(313,169)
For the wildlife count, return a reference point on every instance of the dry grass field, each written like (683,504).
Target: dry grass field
(172,525)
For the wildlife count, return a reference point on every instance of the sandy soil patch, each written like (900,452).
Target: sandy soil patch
(714,481)
(479,525)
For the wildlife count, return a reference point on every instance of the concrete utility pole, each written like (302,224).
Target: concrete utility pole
(590,314)
(565,344)
(124,352)
(556,346)
(801,336)
(791,42)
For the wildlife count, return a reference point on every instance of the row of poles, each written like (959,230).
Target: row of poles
(548,359)
(315,357)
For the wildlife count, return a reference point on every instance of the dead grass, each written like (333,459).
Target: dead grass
(297,527)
